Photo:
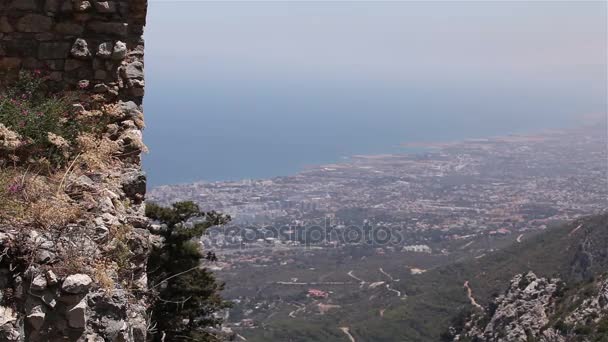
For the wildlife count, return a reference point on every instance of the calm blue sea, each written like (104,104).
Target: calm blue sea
(225,131)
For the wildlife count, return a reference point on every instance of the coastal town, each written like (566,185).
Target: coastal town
(501,185)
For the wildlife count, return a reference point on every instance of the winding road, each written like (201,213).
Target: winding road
(361,281)
(470,295)
(346,331)
(388,275)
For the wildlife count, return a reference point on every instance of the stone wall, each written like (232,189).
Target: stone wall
(94,45)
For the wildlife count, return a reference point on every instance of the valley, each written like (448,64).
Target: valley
(374,245)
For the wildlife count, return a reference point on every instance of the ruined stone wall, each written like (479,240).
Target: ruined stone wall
(96,48)
(94,45)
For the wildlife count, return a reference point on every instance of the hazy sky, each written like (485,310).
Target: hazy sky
(388,40)
(217,71)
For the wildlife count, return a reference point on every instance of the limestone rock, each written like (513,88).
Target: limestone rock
(51,278)
(39,283)
(527,311)
(120,51)
(134,184)
(105,50)
(80,49)
(134,70)
(7,315)
(105,6)
(76,283)
(100,88)
(36,317)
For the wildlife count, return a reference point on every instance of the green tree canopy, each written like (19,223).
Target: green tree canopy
(188,294)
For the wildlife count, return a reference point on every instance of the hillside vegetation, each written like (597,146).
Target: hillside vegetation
(575,252)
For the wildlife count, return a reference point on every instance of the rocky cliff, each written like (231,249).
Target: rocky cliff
(569,302)
(73,236)
(541,309)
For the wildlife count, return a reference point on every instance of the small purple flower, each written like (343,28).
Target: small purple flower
(14,188)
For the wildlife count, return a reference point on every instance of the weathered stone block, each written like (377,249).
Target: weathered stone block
(24,5)
(56,64)
(135,70)
(67,6)
(70,28)
(134,184)
(32,63)
(34,23)
(113,28)
(36,317)
(76,283)
(10,63)
(100,74)
(45,36)
(38,283)
(5,26)
(21,47)
(73,64)
(76,315)
(53,50)
(100,88)
(51,6)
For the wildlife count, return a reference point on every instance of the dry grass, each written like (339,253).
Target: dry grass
(102,276)
(29,198)
(54,212)
(97,154)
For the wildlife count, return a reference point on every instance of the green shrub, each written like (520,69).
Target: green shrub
(602,326)
(562,327)
(583,330)
(47,124)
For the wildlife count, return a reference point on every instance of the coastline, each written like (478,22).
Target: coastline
(414,148)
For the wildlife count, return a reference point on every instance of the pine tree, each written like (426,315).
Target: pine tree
(188,295)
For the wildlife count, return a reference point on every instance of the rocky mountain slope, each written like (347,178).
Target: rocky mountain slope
(571,305)
(541,309)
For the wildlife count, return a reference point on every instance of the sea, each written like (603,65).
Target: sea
(231,131)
